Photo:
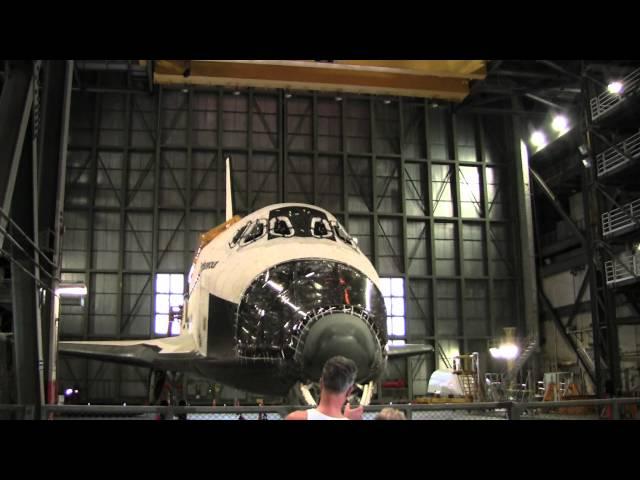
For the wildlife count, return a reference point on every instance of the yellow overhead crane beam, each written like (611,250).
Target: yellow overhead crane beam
(438,79)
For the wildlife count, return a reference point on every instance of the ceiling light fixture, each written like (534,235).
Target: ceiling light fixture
(615,88)
(538,139)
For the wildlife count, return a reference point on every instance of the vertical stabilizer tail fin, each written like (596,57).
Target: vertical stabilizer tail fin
(229,199)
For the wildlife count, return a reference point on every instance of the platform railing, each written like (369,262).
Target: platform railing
(612,158)
(623,269)
(620,220)
(605,101)
(588,409)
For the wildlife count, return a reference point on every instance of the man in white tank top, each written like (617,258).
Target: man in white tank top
(336,383)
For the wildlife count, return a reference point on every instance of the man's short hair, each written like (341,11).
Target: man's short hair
(390,414)
(338,374)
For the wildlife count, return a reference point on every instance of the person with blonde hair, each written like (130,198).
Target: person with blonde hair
(390,414)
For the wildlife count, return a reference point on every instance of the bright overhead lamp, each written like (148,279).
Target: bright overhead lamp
(538,139)
(507,351)
(615,87)
(71,290)
(560,123)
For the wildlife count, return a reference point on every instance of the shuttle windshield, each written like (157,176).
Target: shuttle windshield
(289,222)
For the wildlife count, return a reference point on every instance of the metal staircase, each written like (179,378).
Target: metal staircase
(530,348)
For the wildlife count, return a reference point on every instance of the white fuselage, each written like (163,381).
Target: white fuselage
(227,272)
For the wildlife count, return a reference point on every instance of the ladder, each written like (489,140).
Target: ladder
(469,385)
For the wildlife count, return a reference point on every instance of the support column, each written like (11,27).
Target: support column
(525,230)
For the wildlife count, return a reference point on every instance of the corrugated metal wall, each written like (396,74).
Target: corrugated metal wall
(428,193)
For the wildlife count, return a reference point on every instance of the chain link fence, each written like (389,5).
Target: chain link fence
(606,409)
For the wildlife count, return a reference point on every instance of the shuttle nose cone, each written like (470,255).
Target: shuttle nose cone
(341,334)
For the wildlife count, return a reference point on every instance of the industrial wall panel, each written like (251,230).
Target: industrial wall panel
(329,185)
(470,179)
(446,249)
(441,190)
(239,182)
(329,125)
(496,193)
(173,166)
(388,198)
(264,122)
(474,263)
(500,251)
(360,228)
(503,304)
(78,181)
(204,180)
(299,178)
(418,241)
(358,126)
(465,129)
(140,182)
(387,127)
(448,308)
(204,119)
(419,309)
(143,121)
(359,184)
(416,189)
(138,241)
(106,240)
(437,136)
(496,130)
(413,142)
(113,120)
(263,181)
(75,240)
(235,113)
(299,123)
(391,253)
(174,118)
(109,179)
(81,120)
(476,308)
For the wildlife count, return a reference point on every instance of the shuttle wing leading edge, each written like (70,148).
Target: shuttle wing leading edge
(133,352)
(409,350)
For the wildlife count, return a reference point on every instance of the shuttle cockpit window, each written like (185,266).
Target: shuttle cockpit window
(299,221)
(342,234)
(320,228)
(236,238)
(280,227)
(258,229)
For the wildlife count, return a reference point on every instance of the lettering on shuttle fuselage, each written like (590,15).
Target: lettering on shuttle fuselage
(207,265)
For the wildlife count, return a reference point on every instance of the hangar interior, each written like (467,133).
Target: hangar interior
(487,218)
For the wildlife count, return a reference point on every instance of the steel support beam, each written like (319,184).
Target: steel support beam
(524,195)
(582,356)
(605,331)
(15,111)
(557,205)
(24,290)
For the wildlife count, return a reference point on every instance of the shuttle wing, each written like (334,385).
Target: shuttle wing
(134,352)
(408,350)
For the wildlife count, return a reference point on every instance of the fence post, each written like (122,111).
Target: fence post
(513,411)
(615,409)
(29,412)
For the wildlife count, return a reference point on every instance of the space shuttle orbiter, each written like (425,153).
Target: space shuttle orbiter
(271,297)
